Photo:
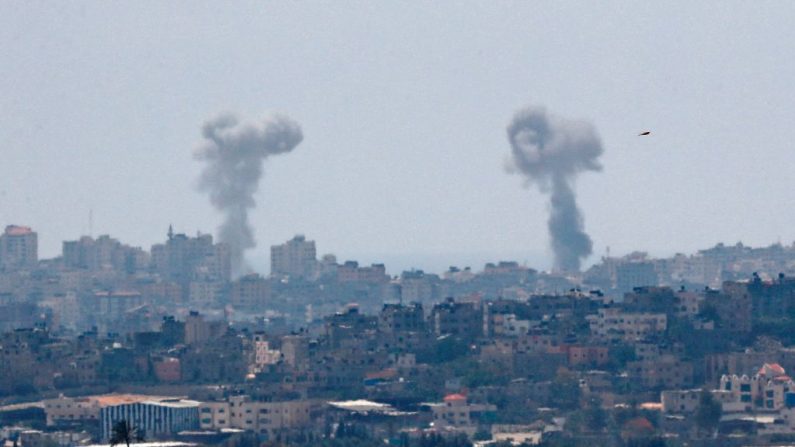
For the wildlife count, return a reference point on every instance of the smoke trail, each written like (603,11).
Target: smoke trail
(551,152)
(234,153)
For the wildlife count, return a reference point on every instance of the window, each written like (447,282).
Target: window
(206,410)
(745,387)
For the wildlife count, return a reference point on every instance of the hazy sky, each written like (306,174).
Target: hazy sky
(404,107)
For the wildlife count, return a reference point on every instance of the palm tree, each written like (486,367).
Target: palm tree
(125,433)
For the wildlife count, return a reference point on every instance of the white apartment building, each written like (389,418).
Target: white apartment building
(766,390)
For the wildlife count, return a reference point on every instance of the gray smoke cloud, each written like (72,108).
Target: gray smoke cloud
(550,152)
(234,153)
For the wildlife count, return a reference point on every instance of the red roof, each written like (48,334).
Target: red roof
(638,424)
(772,370)
(454,397)
(16,230)
(383,374)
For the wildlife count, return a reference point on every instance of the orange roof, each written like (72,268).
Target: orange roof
(454,397)
(656,406)
(772,370)
(383,374)
(639,424)
(109,400)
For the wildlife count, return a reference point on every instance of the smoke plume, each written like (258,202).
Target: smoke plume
(234,153)
(550,152)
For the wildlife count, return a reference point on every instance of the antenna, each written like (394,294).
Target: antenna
(90,222)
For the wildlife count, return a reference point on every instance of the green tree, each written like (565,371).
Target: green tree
(708,413)
(125,433)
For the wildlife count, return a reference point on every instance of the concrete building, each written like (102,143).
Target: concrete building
(295,258)
(458,319)
(295,349)
(612,323)
(250,292)
(768,389)
(263,354)
(668,372)
(687,401)
(350,271)
(19,248)
(264,418)
(635,274)
(457,413)
(183,259)
(103,253)
(198,330)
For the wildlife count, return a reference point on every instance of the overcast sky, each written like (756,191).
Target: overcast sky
(404,107)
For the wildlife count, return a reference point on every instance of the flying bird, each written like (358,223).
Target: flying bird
(644,133)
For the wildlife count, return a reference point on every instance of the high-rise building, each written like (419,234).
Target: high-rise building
(296,258)
(635,274)
(19,247)
(183,259)
(103,253)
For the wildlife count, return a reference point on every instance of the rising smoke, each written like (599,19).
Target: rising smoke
(234,153)
(550,152)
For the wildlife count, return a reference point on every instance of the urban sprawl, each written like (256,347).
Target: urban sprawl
(693,349)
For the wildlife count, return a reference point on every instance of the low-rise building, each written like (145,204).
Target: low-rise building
(261,417)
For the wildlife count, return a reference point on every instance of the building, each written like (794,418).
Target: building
(263,354)
(457,414)
(103,253)
(112,305)
(183,259)
(769,389)
(351,272)
(155,418)
(612,323)
(198,330)
(268,419)
(633,274)
(295,349)
(687,401)
(587,355)
(250,292)
(296,258)
(19,248)
(458,319)
(668,372)
(398,318)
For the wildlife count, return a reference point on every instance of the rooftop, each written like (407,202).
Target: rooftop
(16,230)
